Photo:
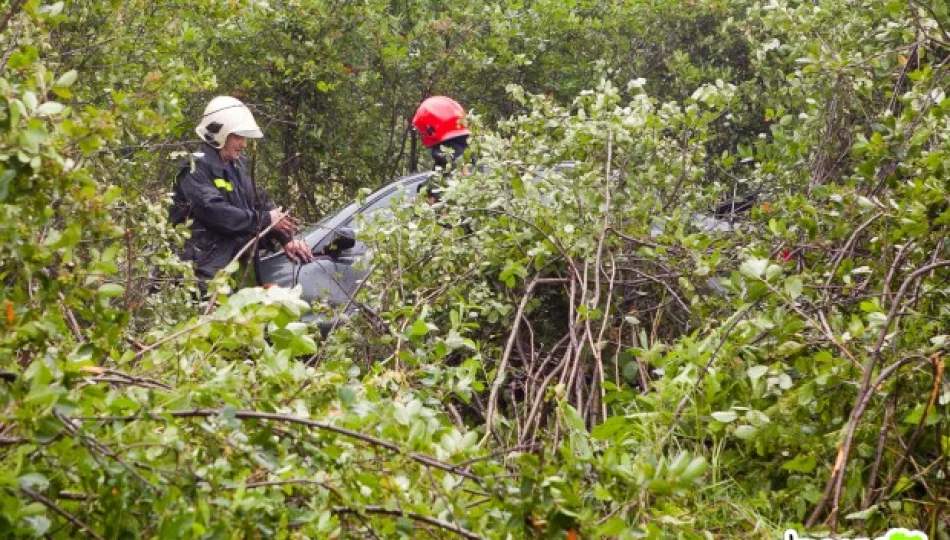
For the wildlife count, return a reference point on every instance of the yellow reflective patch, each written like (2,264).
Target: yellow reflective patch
(223,184)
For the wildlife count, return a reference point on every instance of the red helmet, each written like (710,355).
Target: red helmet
(438,119)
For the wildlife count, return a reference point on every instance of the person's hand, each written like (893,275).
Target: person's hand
(284,223)
(299,251)
(287,226)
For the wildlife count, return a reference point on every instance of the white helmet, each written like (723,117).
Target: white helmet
(223,116)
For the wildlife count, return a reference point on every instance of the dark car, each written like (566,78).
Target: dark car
(333,276)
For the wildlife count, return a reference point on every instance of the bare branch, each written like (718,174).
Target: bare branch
(500,373)
(844,450)
(56,508)
(14,8)
(898,468)
(252,242)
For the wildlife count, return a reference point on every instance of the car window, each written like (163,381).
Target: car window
(381,206)
(331,221)
(378,209)
(376,201)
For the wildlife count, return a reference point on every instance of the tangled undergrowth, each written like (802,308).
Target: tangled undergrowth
(614,327)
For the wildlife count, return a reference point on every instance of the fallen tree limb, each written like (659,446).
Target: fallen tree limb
(276,417)
(445,525)
(66,515)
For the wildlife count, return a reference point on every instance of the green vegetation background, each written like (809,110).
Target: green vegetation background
(552,353)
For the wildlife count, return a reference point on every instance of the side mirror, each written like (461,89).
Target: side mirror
(335,243)
(343,240)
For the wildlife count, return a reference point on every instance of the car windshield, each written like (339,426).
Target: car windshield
(326,221)
(335,219)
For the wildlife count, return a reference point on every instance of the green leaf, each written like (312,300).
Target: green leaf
(746,432)
(348,396)
(903,484)
(788,348)
(801,463)
(29,99)
(696,468)
(754,268)
(303,345)
(49,108)
(631,371)
(17,110)
(659,486)
(613,428)
(32,138)
(39,524)
(756,372)
(6,177)
(418,329)
(794,287)
(110,290)
(402,414)
(864,514)
(66,79)
(725,416)
(34,481)
(51,10)
(679,463)
(572,417)
(903,534)
(915,416)
(612,527)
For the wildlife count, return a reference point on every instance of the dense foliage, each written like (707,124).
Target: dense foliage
(561,347)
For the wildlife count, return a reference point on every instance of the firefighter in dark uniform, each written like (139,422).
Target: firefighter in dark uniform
(214,190)
(440,122)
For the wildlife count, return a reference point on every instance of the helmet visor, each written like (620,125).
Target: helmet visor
(250,133)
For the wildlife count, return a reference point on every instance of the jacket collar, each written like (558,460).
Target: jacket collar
(212,159)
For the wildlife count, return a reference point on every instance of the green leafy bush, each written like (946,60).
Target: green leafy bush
(562,347)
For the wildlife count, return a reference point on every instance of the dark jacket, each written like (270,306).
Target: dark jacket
(226,209)
(447,162)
